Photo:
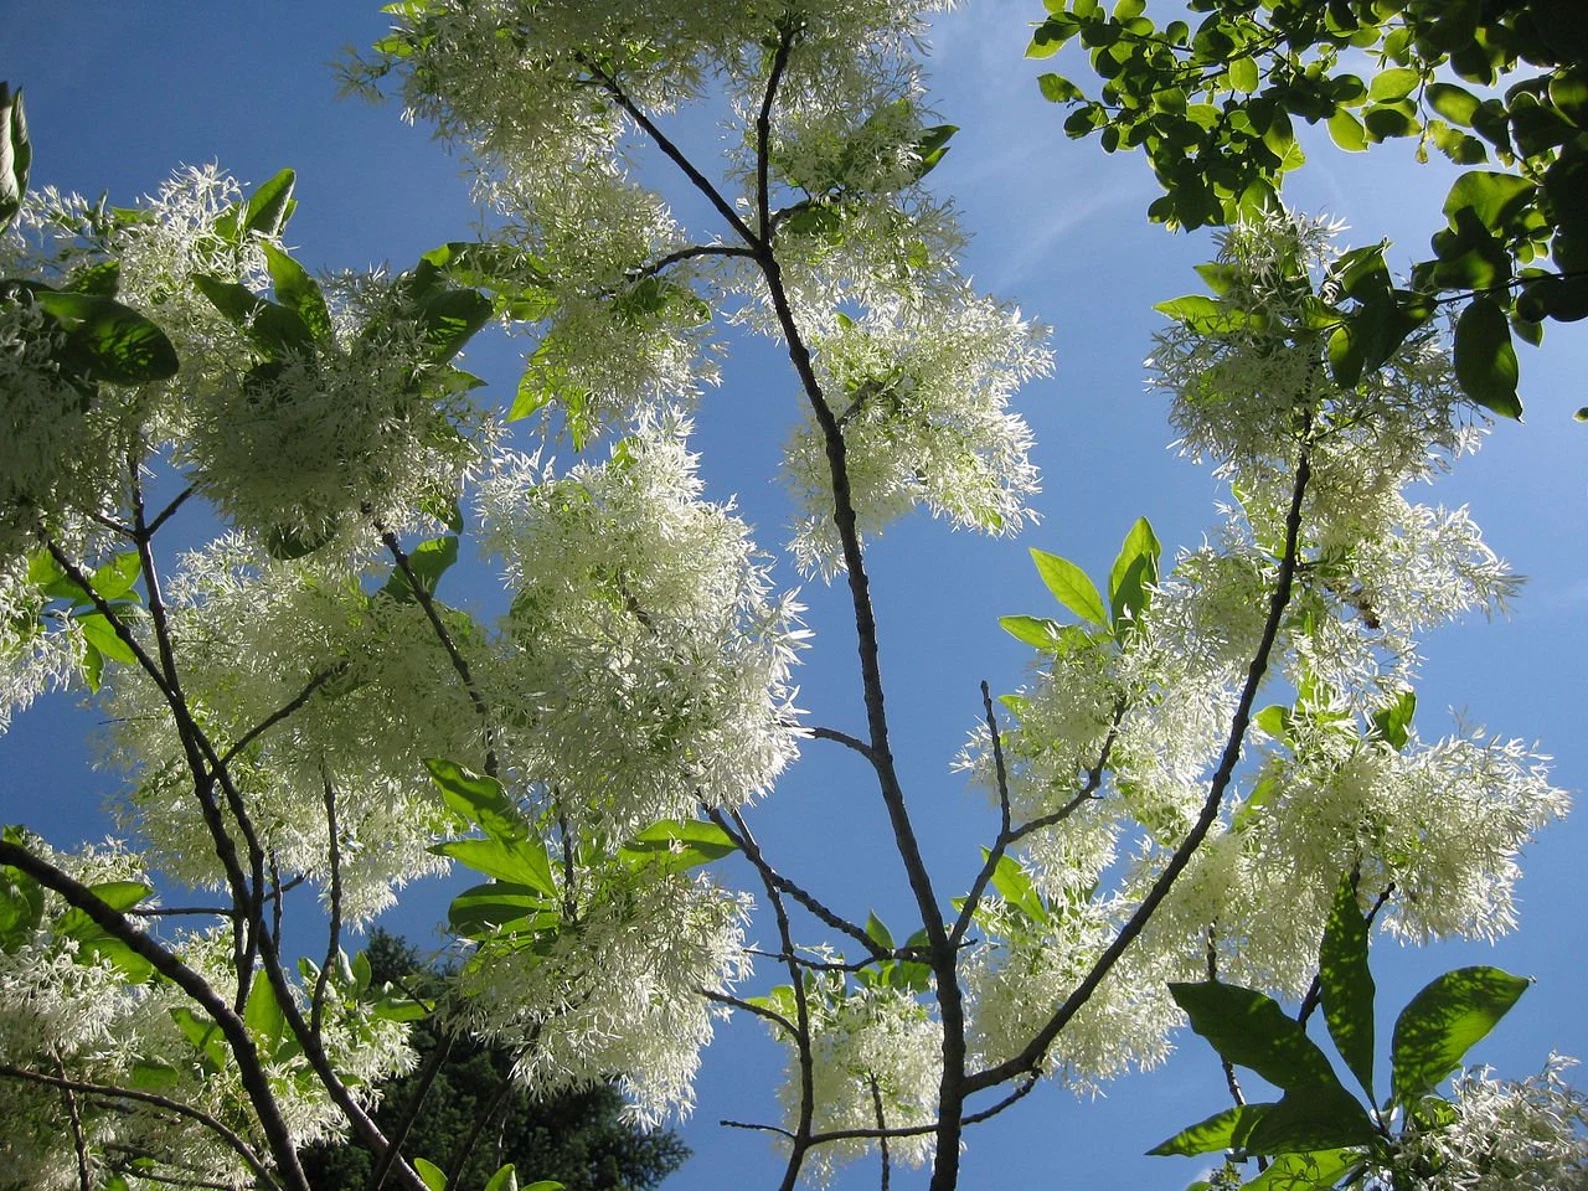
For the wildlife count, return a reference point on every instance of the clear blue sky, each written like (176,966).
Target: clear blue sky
(119,95)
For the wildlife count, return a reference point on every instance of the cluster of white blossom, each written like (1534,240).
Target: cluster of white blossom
(875,1064)
(1504,1135)
(251,635)
(921,395)
(644,653)
(615,990)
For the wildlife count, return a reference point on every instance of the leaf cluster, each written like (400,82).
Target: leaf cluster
(1214,108)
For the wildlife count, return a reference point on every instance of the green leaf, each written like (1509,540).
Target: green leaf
(1444,1021)
(523,863)
(502,907)
(271,204)
(1320,1171)
(1346,131)
(1243,75)
(21,902)
(1347,987)
(1311,1119)
(449,319)
(1015,886)
(1496,200)
(428,561)
(1071,587)
(287,543)
(154,1075)
(275,330)
(1395,83)
(1485,360)
(480,799)
(263,1016)
(505,1179)
(296,290)
(929,150)
(1393,723)
(1251,1030)
(16,154)
(1038,632)
(1456,104)
(99,633)
(204,1034)
(106,341)
(433,1177)
(95,943)
(676,845)
(1223,1131)
(116,577)
(101,278)
(877,931)
(1056,89)
(1134,573)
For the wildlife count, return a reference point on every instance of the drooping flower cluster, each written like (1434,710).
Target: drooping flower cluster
(1505,1135)
(616,990)
(647,658)
(920,394)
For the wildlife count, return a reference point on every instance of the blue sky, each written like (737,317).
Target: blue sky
(119,95)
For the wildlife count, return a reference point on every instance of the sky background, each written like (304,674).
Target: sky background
(120,95)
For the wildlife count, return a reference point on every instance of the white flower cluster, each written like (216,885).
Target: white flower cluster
(251,635)
(1505,1135)
(646,655)
(871,1045)
(616,991)
(921,394)
(1251,384)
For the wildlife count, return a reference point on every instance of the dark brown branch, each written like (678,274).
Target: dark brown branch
(684,254)
(169,511)
(763,129)
(771,1015)
(333,942)
(492,1107)
(399,1136)
(882,1140)
(275,717)
(727,1124)
(843,738)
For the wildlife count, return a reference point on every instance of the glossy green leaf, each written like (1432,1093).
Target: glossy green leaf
(1456,104)
(1039,632)
(480,799)
(1056,89)
(1309,1119)
(298,291)
(877,931)
(449,319)
(1134,573)
(1486,364)
(1347,987)
(1395,83)
(1346,131)
(99,633)
(16,153)
(263,1016)
(1223,1131)
(1015,886)
(1393,723)
(154,1075)
(1321,1171)
(204,1034)
(676,845)
(276,330)
(21,902)
(271,204)
(1251,1030)
(505,1179)
(106,341)
(1445,1020)
(1071,587)
(520,863)
(1496,200)
(1243,75)
(115,578)
(502,907)
(428,561)
(433,1177)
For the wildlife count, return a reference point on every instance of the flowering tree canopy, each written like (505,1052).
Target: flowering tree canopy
(1213,770)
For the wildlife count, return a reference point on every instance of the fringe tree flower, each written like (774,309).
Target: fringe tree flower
(1504,1135)
(615,991)
(921,395)
(646,655)
(867,1045)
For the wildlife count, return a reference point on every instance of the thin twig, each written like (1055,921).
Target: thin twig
(109,1092)
(843,738)
(333,943)
(275,717)
(169,511)
(1230,1080)
(771,1015)
(882,1124)
(684,254)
